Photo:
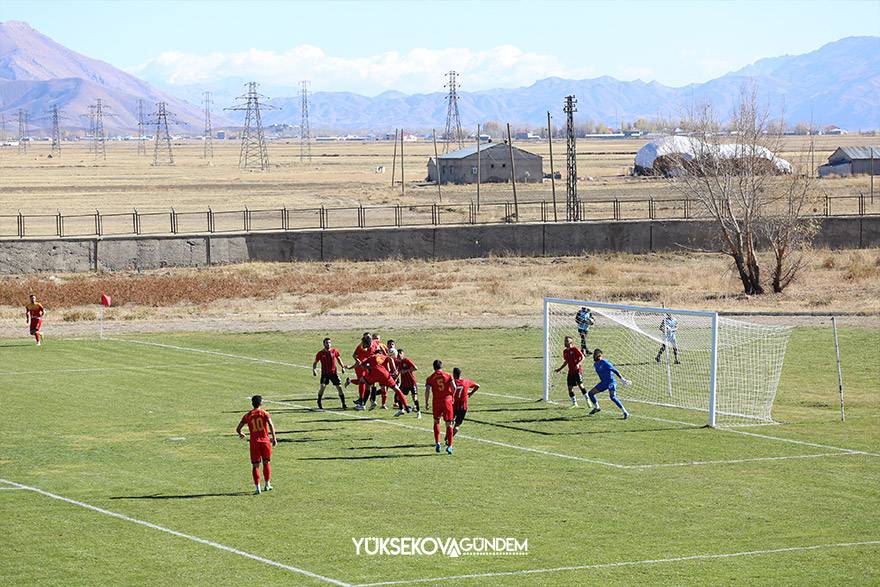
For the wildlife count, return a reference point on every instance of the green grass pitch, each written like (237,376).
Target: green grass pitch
(146,432)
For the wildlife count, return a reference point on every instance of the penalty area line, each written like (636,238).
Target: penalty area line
(656,561)
(210,352)
(217,545)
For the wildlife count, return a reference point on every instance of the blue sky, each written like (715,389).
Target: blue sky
(368,47)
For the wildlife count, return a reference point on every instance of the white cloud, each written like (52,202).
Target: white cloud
(417,70)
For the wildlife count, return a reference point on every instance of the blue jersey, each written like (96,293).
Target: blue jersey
(605,371)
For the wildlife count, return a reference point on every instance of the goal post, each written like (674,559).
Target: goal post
(688,359)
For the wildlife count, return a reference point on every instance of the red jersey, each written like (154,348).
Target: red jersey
(378,361)
(573,356)
(35,310)
(462,388)
(407,375)
(441,384)
(258,424)
(362,354)
(328,360)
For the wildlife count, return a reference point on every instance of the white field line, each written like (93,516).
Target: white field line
(655,561)
(495,442)
(11,488)
(734,461)
(129,368)
(467,436)
(209,352)
(176,533)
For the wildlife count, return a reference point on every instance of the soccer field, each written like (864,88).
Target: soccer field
(120,465)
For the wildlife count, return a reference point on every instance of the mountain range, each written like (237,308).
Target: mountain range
(837,84)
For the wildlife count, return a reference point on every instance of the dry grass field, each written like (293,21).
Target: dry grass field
(340,174)
(500,290)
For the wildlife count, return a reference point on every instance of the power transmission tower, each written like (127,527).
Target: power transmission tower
(142,129)
(305,138)
(99,138)
(453,121)
(253,154)
(22,131)
(572,203)
(56,133)
(162,137)
(209,130)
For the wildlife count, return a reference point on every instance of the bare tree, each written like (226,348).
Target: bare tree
(754,197)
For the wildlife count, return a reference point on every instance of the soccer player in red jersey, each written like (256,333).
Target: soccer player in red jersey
(361,353)
(329,359)
(376,373)
(440,383)
(408,384)
(260,426)
(35,311)
(574,358)
(380,348)
(463,389)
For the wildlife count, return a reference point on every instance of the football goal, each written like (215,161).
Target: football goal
(688,359)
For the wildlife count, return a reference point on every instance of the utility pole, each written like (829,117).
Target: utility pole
(99,130)
(402,184)
(453,121)
(56,133)
(512,172)
(253,154)
(394,160)
(90,135)
(552,171)
(142,129)
(22,131)
(162,137)
(478,168)
(572,203)
(208,151)
(436,164)
(305,138)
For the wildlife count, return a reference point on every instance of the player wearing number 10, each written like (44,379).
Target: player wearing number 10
(260,426)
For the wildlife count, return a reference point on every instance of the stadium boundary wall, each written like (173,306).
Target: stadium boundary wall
(72,255)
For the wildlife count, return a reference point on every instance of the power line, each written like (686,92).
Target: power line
(305,138)
(253,154)
(22,131)
(142,128)
(453,121)
(56,133)
(208,152)
(162,155)
(572,203)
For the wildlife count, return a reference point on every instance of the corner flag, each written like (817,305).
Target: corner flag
(105,300)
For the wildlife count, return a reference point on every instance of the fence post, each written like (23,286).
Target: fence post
(686,211)
(321,219)
(173,221)
(59,229)
(210,220)
(99,223)
(285,221)
(20,225)
(136,221)
(861,204)
(827,205)
(397,215)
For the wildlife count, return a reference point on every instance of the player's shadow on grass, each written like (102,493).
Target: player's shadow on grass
(5,346)
(423,445)
(542,408)
(188,496)
(305,439)
(371,457)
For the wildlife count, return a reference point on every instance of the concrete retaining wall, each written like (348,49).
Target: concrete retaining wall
(442,242)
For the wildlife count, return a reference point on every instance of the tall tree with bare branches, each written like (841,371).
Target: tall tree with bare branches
(756,199)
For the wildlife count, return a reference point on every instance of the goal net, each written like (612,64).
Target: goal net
(694,360)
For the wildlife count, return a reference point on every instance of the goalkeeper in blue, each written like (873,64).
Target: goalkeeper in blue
(584,319)
(606,372)
(669,327)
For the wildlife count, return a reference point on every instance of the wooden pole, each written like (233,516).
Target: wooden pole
(436,164)
(394,160)
(402,184)
(479,170)
(512,172)
(552,171)
(839,372)
(872,175)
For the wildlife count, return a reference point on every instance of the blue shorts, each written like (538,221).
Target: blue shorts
(610,387)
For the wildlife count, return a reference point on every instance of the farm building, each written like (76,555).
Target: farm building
(461,166)
(847,161)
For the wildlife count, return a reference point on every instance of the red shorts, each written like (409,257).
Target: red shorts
(380,377)
(460,405)
(261,451)
(36,324)
(443,407)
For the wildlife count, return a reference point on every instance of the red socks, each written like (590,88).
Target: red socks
(436,432)
(266,471)
(450,435)
(256,473)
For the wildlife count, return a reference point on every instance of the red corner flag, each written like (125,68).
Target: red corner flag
(105,300)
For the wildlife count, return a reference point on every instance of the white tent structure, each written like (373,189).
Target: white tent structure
(690,148)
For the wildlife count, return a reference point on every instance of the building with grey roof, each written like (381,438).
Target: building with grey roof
(847,161)
(494,165)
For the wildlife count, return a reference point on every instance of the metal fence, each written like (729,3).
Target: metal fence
(285,219)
